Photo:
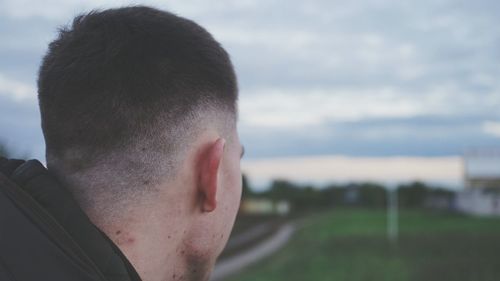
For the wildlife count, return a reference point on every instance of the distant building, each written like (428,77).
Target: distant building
(482,168)
(478,202)
(481,195)
(262,206)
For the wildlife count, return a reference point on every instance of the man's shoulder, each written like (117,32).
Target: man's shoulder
(31,246)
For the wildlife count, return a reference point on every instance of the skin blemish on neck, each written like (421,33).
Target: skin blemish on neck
(123,238)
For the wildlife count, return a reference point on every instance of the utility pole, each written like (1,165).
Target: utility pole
(392,215)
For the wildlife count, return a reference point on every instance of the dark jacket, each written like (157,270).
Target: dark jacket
(44,235)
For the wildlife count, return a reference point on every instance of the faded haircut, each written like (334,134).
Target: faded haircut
(122,93)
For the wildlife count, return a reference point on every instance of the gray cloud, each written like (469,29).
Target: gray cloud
(20,128)
(439,59)
(429,136)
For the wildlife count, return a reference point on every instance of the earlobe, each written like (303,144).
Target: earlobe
(209,179)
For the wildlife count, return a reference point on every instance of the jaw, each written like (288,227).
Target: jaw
(199,270)
(201,246)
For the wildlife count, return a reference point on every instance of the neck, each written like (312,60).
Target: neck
(154,243)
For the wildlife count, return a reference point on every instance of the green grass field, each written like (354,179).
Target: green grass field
(351,245)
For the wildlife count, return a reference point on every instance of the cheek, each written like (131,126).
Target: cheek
(230,190)
(232,183)
(232,198)
(235,187)
(239,190)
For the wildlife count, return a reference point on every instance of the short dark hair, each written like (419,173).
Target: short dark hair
(121,90)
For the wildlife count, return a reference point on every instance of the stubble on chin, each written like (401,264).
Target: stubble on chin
(199,268)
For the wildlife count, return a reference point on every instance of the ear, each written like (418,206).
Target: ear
(209,171)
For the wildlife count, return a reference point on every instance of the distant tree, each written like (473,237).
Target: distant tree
(413,195)
(372,195)
(442,192)
(301,197)
(308,197)
(246,190)
(333,195)
(282,189)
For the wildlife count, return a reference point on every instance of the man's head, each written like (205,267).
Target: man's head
(139,116)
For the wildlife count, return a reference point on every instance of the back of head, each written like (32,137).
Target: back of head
(122,94)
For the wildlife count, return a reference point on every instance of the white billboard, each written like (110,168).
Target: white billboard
(482,163)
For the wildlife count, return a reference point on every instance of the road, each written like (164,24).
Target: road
(236,263)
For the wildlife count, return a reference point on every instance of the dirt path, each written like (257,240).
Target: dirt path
(236,263)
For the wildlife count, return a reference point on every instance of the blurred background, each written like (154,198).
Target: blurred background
(371,130)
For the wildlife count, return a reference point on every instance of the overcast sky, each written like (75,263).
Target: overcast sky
(355,78)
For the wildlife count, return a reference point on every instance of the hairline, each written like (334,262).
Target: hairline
(87,185)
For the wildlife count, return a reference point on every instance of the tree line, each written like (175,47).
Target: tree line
(372,195)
